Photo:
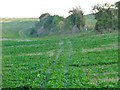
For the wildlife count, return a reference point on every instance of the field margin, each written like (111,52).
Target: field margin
(0,55)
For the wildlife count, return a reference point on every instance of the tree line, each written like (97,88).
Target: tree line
(106,16)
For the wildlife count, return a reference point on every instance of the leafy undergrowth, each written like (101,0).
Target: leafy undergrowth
(70,62)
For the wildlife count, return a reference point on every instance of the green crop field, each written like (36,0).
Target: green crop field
(84,60)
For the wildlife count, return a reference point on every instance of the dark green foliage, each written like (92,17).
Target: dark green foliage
(68,24)
(118,4)
(48,21)
(106,16)
(44,16)
(49,25)
(32,31)
(77,17)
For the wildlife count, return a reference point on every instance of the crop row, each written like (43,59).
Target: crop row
(67,67)
(24,69)
(20,42)
(29,49)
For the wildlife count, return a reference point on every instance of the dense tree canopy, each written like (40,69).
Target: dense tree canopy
(77,17)
(106,16)
(54,24)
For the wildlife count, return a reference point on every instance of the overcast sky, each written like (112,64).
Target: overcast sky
(34,8)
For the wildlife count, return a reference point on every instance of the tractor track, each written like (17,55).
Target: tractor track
(47,73)
(67,63)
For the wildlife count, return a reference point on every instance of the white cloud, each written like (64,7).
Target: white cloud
(34,8)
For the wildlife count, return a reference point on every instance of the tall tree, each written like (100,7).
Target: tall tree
(77,17)
(106,16)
